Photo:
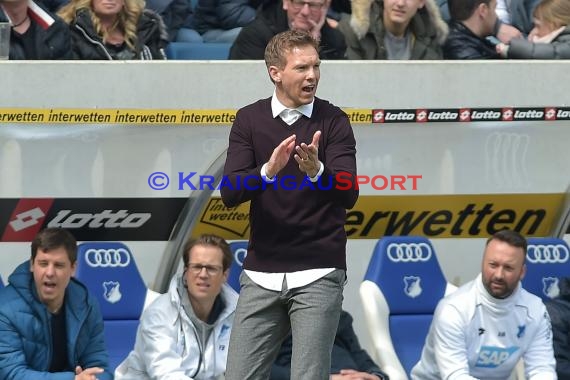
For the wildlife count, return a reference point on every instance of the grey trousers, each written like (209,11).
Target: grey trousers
(264,317)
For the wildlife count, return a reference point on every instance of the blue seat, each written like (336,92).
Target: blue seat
(239,249)
(1,282)
(400,291)
(547,261)
(109,271)
(198,50)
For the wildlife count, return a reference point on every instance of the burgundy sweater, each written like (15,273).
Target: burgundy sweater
(295,224)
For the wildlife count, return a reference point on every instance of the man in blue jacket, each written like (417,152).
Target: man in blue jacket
(51,329)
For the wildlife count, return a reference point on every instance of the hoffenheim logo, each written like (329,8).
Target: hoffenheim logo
(412,286)
(550,287)
(112,292)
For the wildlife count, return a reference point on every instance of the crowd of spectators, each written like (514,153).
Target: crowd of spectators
(357,29)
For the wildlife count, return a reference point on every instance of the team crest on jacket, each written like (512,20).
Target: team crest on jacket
(112,292)
(412,286)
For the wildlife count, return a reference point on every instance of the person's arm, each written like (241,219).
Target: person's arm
(523,49)
(559,311)
(234,13)
(241,169)
(449,343)
(539,362)
(94,353)
(364,362)
(340,162)
(158,342)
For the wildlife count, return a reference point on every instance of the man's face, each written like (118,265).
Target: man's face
(296,83)
(502,268)
(489,16)
(52,271)
(400,12)
(107,7)
(205,274)
(305,14)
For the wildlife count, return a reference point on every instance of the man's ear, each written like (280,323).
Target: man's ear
(275,74)
(73,268)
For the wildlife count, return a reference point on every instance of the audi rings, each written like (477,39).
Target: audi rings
(107,258)
(409,252)
(547,254)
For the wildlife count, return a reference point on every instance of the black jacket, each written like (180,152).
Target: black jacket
(559,310)
(461,43)
(52,37)
(346,354)
(271,20)
(151,38)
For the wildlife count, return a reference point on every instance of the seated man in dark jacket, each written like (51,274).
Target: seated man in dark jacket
(348,359)
(471,22)
(278,16)
(559,310)
(51,327)
(36,33)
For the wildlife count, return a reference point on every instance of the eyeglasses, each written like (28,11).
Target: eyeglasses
(212,270)
(299,4)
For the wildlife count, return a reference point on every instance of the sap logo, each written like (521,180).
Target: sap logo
(412,286)
(493,357)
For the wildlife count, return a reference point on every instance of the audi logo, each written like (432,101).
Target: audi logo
(547,254)
(107,258)
(409,252)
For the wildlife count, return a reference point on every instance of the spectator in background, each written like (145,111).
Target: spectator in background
(348,360)
(559,310)
(484,328)
(514,17)
(114,29)
(394,29)
(281,15)
(550,37)
(36,33)
(51,328)
(222,20)
(174,13)
(472,21)
(184,334)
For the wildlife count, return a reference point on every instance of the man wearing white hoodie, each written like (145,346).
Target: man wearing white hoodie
(184,334)
(484,328)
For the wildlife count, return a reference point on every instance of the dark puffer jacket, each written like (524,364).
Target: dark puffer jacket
(52,37)
(559,48)
(559,310)
(152,38)
(463,44)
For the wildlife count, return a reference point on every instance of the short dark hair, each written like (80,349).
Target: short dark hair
(54,238)
(284,42)
(212,241)
(512,238)
(461,10)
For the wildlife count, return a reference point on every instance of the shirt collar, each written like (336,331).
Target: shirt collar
(277,107)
